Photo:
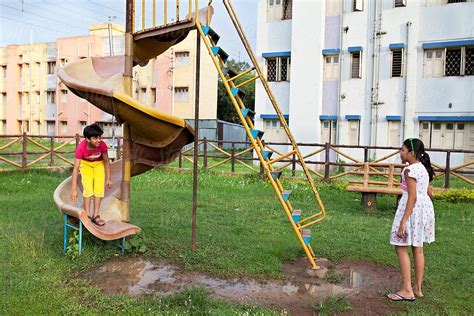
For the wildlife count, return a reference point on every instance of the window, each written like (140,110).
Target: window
(24,126)
(357,5)
(4,71)
(182,59)
(455,61)
(287,9)
(331,67)
(434,63)
(153,95)
(4,98)
(354,132)
(356,65)
(3,126)
(274,131)
(62,62)
(469,66)
(51,97)
(278,69)
(274,10)
(64,95)
(50,127)
(393,133)
(397,63)
(446,135)
(26,98)
(400,3)
(328,131)
(51,67)
(181,94)
(38,68)
(143,95)
(37,97)
(37,127)
(82,125)
(63,127)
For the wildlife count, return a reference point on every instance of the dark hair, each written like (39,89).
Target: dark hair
(92,130)
(417,146)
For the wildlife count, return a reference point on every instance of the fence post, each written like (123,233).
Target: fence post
(233,157)
(23,151)
(326,162)
(78,139)
(204,158)
(293,166)
(447,169)
(51,158)
(366,153)
(180,159)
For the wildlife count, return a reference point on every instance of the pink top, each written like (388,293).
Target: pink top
(82,152)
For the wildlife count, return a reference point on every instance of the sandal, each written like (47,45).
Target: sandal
(399,297)
(94,220)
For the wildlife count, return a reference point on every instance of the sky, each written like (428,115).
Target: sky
(23,21)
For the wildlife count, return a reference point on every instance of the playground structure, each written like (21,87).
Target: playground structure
(152,138)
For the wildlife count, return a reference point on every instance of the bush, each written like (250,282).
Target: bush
(456,196)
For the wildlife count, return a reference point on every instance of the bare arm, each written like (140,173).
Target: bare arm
(430,191)
(75,172)
(108,180)
(411,188)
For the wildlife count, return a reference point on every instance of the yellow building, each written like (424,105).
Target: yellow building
(168,81)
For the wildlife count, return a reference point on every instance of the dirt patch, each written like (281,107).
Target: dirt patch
(362,282)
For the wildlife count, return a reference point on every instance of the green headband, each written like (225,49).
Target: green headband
(411,142)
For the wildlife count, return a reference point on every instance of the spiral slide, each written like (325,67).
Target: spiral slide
(157,138)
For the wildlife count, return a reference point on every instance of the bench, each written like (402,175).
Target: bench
(369,188)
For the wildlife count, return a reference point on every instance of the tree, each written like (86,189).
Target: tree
(225,108)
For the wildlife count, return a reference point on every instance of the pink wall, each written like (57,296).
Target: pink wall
(164,82)
(74,110)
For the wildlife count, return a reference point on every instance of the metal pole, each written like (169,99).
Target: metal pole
(196,137)
(128,76)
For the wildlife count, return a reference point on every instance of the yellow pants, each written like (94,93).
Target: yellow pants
(93,178)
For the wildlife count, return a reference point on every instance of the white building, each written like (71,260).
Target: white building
(369,72)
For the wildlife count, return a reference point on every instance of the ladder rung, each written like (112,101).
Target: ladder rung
(286,195)
(282,157)
(209,31)
(246,111)
(276,174)
(267,154)
(217,50)
(256,133)
(306,234)
(246,82)
(236,76)
(296,215)
(237,91)
(228,71)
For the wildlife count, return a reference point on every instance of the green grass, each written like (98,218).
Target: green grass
(242,231)
(332,305)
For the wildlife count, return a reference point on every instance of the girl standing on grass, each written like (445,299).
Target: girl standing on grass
(414,220)
(92,161)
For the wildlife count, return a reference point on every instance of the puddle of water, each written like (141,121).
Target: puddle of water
(136,276)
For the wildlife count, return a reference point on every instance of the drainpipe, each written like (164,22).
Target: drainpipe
(341,58)
(405,88)
(372,94)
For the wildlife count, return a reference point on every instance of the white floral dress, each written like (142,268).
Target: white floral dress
(421,223)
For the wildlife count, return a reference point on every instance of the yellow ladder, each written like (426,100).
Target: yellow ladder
(219,57)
